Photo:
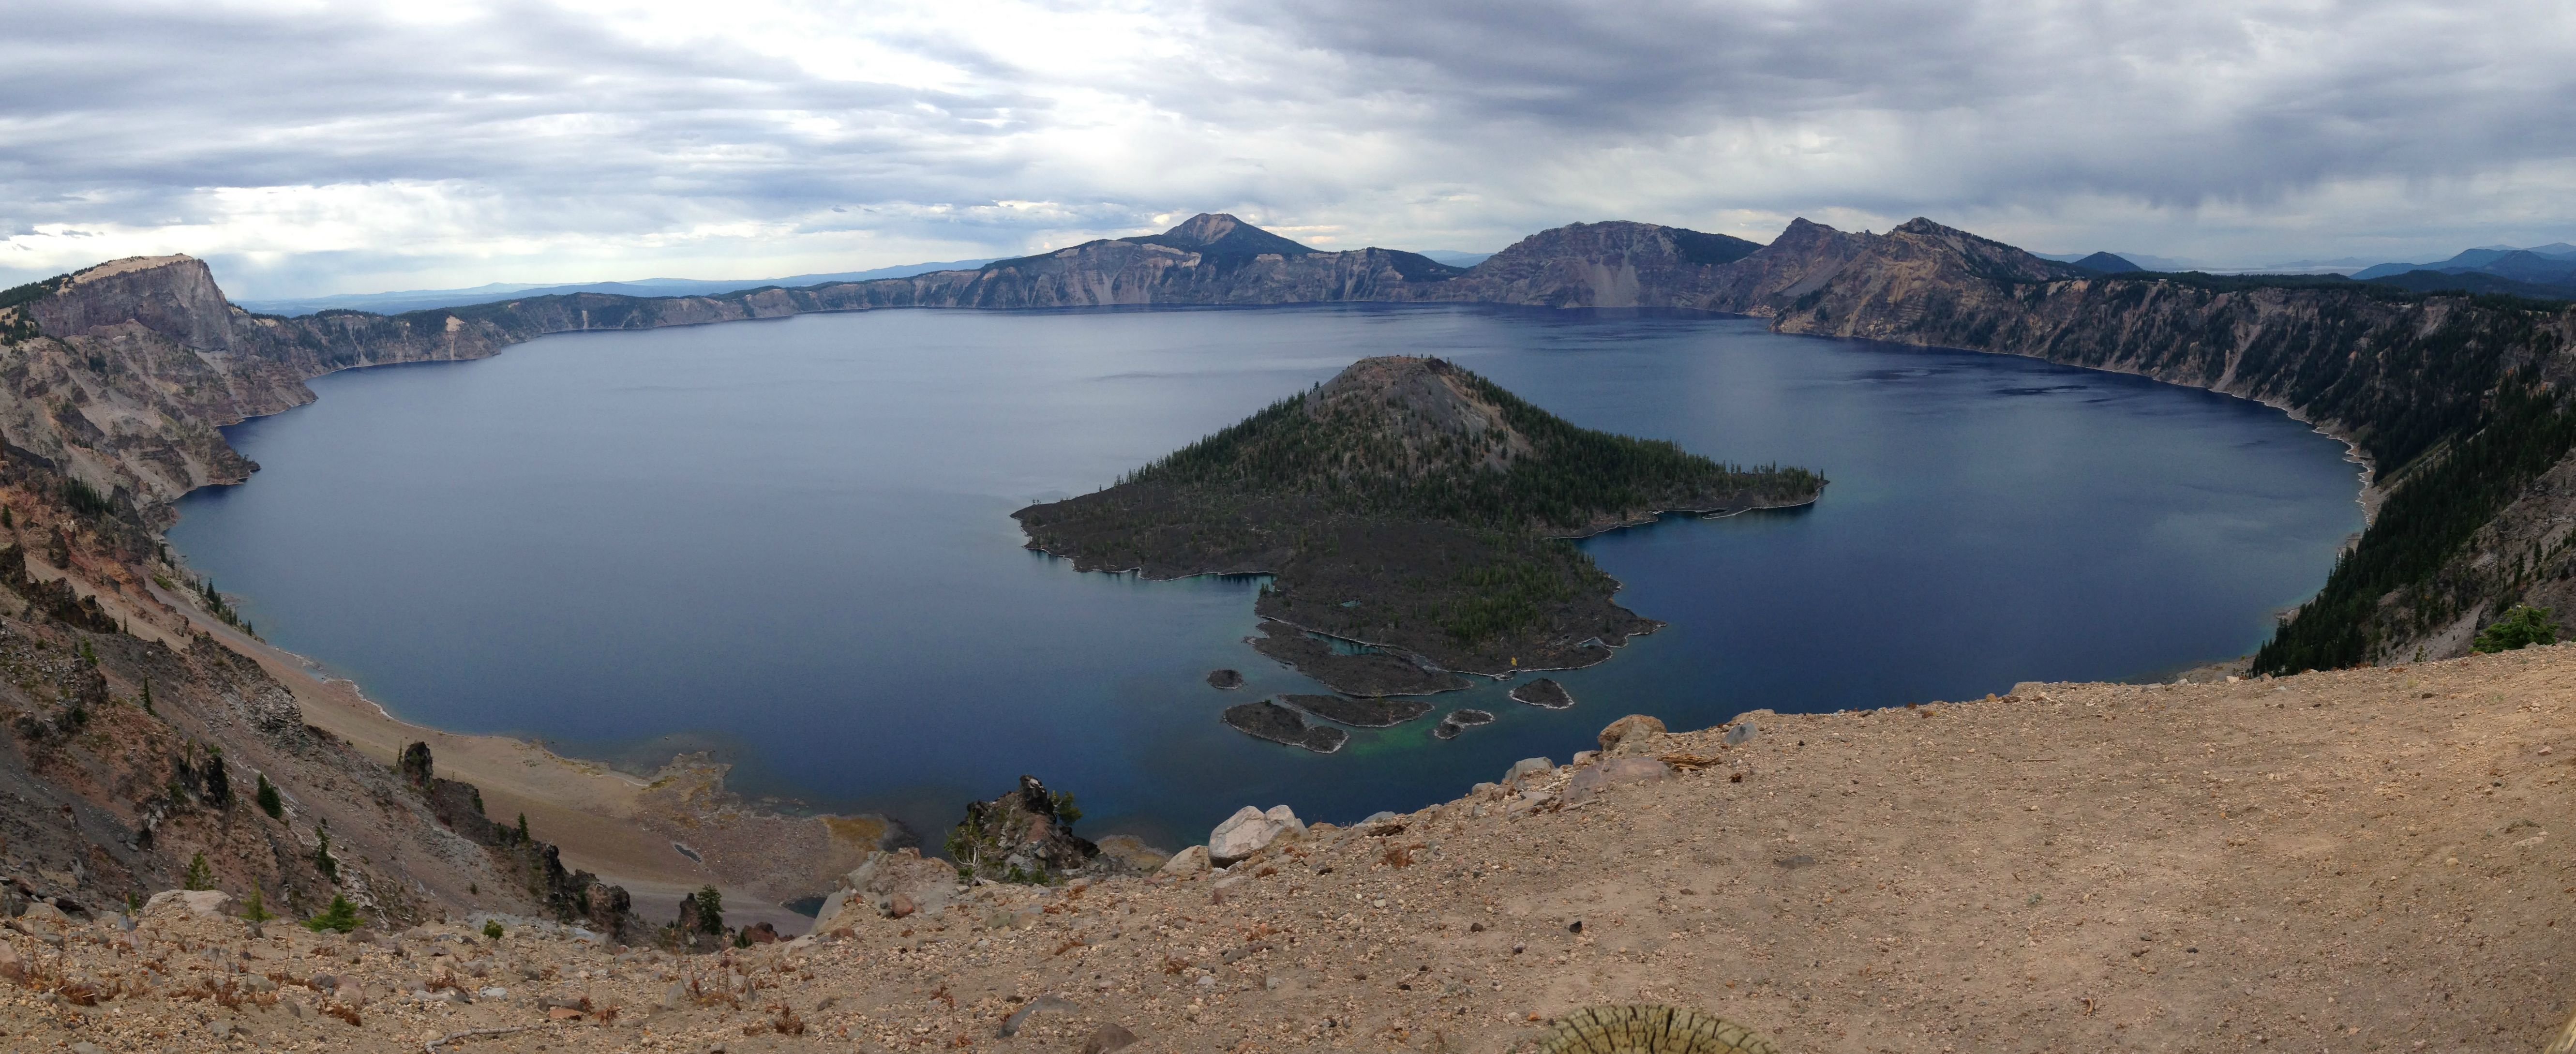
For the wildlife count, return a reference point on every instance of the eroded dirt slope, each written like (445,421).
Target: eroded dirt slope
(2371,860)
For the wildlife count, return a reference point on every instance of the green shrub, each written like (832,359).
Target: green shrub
(340,917)
(199,875)
(492,930)
(711,910)
(269,802)
(2521,627)
(257,909)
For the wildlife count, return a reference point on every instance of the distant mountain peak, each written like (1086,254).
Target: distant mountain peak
(2107,263)
(1207,227)
(1224,234)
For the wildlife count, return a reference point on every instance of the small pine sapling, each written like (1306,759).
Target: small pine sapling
(340,917)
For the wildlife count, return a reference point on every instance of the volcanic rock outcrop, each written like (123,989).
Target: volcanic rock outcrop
(1023,836)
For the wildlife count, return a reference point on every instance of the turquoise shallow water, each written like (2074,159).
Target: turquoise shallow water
(789,541)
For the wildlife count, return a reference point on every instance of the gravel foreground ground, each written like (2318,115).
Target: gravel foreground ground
(2372,860)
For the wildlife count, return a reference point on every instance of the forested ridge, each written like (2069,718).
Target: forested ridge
(1357,459)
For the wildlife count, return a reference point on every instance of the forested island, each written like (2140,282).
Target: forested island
(1413,507)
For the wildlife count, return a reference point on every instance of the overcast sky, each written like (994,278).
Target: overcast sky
(315,148)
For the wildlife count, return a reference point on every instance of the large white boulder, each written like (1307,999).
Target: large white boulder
(1251,830)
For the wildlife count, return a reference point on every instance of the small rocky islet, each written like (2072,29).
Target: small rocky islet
(1545,694)
(1225,680)
(1360,713)
(1264,719)
(1460,720)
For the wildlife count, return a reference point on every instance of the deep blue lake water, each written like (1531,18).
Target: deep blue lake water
(790,541)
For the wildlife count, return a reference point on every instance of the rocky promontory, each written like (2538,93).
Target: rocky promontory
(1413,514)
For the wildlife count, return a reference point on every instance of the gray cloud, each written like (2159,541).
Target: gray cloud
(339,148)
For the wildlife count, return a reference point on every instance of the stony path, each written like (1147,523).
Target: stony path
(2364,861)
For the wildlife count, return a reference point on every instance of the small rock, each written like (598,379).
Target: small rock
(897,906)
(1742,733)
(1378,817)
(1591,780)
(86,1047)
(562,1013)
(1527,767)
(1634,728)
(764,933)
(220,1031)
(500,993)
(1187,862)
(1045,1004)
(1108,1038)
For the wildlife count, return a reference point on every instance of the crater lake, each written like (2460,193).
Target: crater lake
(789,543)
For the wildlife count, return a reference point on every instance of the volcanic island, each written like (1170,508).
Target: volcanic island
(1416,519)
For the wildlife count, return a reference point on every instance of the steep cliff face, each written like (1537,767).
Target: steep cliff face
(140,364)
(2437,391)
(132,745)
(1614,264)
(132,750)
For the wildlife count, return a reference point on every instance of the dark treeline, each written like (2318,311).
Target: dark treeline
(2427,520)
(1567,478)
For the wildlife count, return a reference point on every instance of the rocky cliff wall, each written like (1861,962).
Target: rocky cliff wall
(2403,377)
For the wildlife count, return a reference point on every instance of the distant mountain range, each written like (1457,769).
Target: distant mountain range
(395,303)
(1455,258)
(2544,264)
(2545,272)
(2541,272)
(2104,262)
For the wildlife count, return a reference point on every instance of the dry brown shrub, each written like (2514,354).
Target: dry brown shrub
(1397,856)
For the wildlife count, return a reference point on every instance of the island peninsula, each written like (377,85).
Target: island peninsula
(1413,507)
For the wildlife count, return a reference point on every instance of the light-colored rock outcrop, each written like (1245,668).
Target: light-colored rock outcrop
(1251,830)
(888,881)
(206,902)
